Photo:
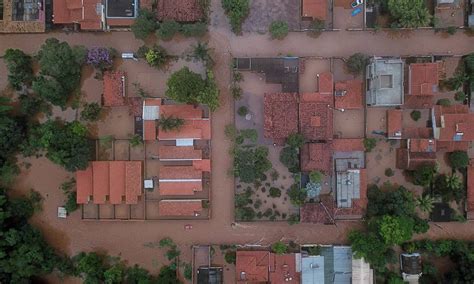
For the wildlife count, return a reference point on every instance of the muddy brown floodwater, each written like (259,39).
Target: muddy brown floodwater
(128,239)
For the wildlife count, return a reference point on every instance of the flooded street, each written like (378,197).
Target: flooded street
(128,238)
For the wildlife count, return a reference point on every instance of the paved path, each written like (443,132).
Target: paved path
(127,238)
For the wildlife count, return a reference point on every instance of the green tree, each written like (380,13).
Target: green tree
(424,175)
(168,275)
(237,11)
(425,203)
(369,144)
(230,257)
(370,247)
(460,96)
(356,63)
(458,159)
(390,201)
(91,112)
(409,13)
(90,266)
(278,29)
(316,176)
(168,29)
(145,24)
(251,163)
(137,275)
(295,140)
(115,274)
(279,248)
(170,123)
(157,56)
(457,81)
(201,52)
(194,30)
(415,115)
(275,192)
(289,158)
(51,90)
(443,102)
(394,230)
(297,195)
(19,65)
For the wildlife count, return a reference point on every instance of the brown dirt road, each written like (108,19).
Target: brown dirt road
(128,238)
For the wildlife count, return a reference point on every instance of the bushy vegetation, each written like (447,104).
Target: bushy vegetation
(145,24)
(186,86)
(68,188)
(369,144)
(297,195)
(391,220)
(237,11)
(91,112)
(156,56)
(19,65)
(424,175)
(279,248)
(168,29)
(444,102)
(250,163)
(409,13)
(458,159)
(415,115)
(278,29)
(170,123)
(316,27)
(289,156)
(356,63)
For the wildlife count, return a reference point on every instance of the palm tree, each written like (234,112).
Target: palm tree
(425,203)
(453,182)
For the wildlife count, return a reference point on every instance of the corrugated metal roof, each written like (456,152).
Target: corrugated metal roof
(312,270)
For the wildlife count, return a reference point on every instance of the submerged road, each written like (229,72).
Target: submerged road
(127,238)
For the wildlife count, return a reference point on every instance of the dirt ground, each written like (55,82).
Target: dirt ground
(128,239)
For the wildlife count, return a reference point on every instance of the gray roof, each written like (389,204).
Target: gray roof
(312,270)
(385,82)
(348,187)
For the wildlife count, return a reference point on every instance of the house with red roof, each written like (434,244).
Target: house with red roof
(315,9)
(110,182)
(453,127)
(348,95)
(280,116)
(195,127)
(394,123)
(180,208)
(85,13)
(267,267)
(183,180)
(316,157)
(423,82)
(316,116)
(114,89)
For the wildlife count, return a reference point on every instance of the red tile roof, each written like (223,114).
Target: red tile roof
(178,208)
(133,181)
(451,146)
(149,130)
(394,123)
(83,12)
(406,160)
(100,181)
(192,129)
(418,102)
(114,91)
(322,212)
(423,79)
(315,9)
(179,10)
(180,188)
(202,165)
(120,22)
(179,153)
(352,98)
(117,182)
(422,145)
(470,189)
(84,185)
(348,144)
(316,157)
(110,178)
(152,102)
(314,108)
(252,266)
(456,127)
(417,133)
(325,83)
(180,172)
(284,269)
(181,111)
(281,116)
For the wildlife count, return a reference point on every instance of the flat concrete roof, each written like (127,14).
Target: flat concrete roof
(384,82)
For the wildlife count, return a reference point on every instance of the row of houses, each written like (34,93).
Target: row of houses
(90,15)
(172,179)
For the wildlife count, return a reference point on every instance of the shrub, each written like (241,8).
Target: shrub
(460,96)
(157,56)
(295,140)
(167,30)
(136,140)
(251,163)
(316,176)
(443,102)
(243,111)
(91,112)
(237,11)
(356,63)
(275,192)
(424,175)
(279,29)
(194,30)
(316,27)
(257,204)
(19,67)
(236,91)
(144,24)
(297,195)
(369,144)
(415,115)
(250,134)
(293,219)
(451,30)
(230,257)
(100,57)
(389,172)
(289,158)
(279,248)
(245,214)
(458,159)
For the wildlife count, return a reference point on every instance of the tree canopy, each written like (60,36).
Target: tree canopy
(237,11)
(458,159)
(145,24)
(186,86)
(409,13)
(251,163)
(19,67)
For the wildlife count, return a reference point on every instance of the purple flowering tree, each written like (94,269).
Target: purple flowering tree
(100,57)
